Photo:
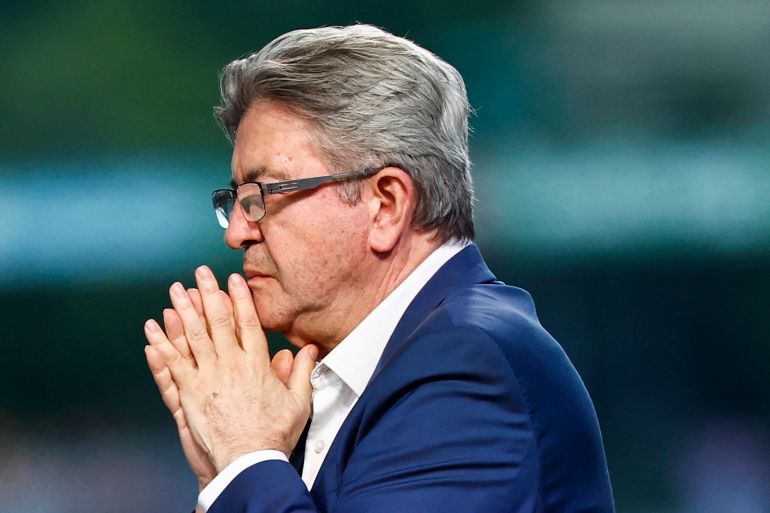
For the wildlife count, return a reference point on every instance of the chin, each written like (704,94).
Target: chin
(285,326)
(277,318)
(270,319)
(267,320)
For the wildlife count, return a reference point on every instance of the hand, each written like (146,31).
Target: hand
(196,456)
(233,398)
(198,459)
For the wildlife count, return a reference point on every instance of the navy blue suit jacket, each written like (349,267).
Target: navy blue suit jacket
(473,407)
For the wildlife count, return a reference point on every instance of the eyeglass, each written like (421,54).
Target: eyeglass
(251,195)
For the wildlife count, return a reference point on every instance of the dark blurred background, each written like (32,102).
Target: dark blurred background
(623,177)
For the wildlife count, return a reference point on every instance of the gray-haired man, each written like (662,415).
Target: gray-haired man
(437,389)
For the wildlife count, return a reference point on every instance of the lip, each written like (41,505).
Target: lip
(256,281)
(252,273)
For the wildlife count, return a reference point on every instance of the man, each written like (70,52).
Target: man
(437,388)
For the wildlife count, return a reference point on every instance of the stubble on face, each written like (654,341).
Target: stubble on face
(311,294)
(305,263)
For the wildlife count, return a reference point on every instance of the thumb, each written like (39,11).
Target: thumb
(304,363)
(281,365)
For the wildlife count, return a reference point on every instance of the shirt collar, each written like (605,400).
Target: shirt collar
(355,358)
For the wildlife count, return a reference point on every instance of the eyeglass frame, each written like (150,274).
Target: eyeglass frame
(284,187)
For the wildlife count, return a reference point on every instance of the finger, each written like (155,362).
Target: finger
(250,330)
(176,363)
(228,303)
(218,317)
(299,381)
(194,328)
(153,333)
(281,365)
(175,333)
(195,297)
(179,418)
(162,377)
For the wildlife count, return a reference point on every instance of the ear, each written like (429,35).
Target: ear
(391,207)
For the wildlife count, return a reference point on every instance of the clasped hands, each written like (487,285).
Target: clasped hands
(215,375)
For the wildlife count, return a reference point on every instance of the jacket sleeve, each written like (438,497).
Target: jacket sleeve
(443,427)
(270,486)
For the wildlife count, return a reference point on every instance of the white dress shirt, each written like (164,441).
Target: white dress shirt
(341,377)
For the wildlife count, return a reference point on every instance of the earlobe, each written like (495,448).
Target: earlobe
(392,206)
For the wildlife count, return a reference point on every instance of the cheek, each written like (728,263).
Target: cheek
(327,262)
(302,261)
(316,272)
(314,258)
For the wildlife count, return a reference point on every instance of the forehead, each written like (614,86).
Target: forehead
(273,143)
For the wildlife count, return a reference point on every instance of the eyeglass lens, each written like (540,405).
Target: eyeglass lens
(223,201)
(250,198)
(252,203)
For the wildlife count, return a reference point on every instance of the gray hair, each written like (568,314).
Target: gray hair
(376,100)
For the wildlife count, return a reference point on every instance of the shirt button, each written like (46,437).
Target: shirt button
(318,446)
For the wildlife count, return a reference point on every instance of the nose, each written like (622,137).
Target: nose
(241,233)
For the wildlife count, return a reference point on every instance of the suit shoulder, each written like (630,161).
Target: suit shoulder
(485,342)
(506,314)
(500,321)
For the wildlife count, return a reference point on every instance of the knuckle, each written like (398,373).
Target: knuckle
(170,394)
(162,377)
(174,361)
(198,333)
(182,347)
(209,290)
(249,321)
(220,321)
(179,359)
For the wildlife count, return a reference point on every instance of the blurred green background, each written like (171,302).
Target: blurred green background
(622,168)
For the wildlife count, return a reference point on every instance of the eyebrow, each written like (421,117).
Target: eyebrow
(254,175)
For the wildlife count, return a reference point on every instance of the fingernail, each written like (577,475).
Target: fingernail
(204,273)
(177,290)
(236,280)
(152,326)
